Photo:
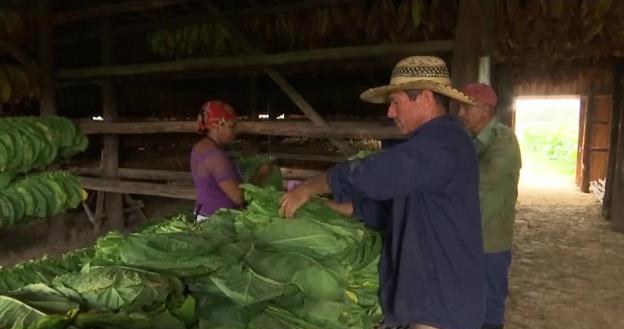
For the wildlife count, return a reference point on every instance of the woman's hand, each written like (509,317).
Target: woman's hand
(261,174)
(293,200)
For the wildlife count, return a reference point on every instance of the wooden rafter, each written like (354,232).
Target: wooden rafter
(21,57)
(114,9)
(202,17)
(257,61)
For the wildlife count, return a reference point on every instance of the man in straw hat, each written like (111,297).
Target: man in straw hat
(499,168)
(431,268)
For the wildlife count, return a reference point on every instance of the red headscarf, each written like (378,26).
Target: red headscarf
(214,114)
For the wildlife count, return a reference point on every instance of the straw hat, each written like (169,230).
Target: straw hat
(417,72)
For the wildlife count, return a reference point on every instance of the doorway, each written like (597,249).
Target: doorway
(548,133)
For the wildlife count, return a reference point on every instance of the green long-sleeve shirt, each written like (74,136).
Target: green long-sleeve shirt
(499,170)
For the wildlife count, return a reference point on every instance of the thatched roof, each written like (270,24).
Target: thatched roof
(550,34)
(544,33)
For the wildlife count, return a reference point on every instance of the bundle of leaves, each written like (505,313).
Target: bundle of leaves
(249,166)
(39,195)
(32,143)
(238,269)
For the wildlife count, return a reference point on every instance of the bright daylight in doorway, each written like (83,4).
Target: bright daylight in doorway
(547,130)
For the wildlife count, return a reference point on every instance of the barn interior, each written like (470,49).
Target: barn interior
(133,74)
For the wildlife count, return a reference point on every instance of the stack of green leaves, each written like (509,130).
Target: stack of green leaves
(39,195)
(238,269)
(250,165)
(29,143)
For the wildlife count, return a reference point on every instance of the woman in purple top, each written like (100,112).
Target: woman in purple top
(214,174)
(216,177)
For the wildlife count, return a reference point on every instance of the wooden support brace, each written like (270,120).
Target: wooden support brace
(305,107)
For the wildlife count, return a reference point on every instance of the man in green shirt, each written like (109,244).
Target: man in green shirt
(499,170)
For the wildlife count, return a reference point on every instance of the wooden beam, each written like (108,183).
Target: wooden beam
(306,157)
(296,156)
(122,187)
(257,61)
(355,130)
(178,176)
(195,18)
(114,9)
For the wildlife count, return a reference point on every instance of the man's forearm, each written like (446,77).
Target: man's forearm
(345,208)
(316,185)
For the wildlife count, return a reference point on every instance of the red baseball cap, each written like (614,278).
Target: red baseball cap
(481,93)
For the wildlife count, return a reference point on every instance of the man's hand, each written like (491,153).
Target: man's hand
(293,200)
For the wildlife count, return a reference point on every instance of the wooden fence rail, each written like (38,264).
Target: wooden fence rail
(343,129)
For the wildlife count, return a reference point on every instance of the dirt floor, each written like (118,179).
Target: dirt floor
(567,272)
(568,265)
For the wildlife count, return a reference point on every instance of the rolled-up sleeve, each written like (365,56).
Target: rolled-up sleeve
(339,180)
(372,213)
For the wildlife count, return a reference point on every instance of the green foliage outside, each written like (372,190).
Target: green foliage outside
(548,132)
(556,145)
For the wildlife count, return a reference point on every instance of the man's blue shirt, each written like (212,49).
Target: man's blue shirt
(424,194)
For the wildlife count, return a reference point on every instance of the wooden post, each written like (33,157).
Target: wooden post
(56,231)
(617,196)
(618,106)
(254,145)
(46,60)
(467,45)
(579,146)
(587,133)
(113,202)
(504,88)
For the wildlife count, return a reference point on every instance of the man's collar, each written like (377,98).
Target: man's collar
(486,134)
(432,122)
